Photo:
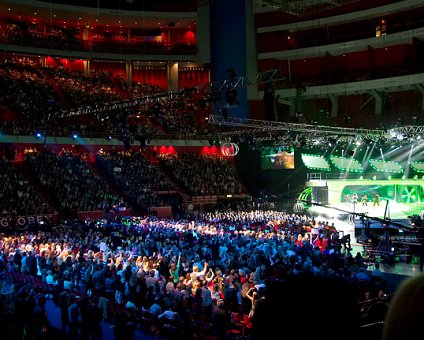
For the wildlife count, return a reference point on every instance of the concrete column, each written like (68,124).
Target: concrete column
(129,71)
(334,105)
(379,101)
(172,67)
(86,64)
(85,33)
(251,51)
(292,110)
(420,88)
(229,47)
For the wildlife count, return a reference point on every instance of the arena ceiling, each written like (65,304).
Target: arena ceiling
(62,13)
(133,5)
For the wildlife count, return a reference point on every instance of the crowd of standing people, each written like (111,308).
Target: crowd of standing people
(220,263)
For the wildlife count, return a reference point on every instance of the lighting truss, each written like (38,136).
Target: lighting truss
(309,129)
(407,130)
(244,81)
(294,7)
(298,7)
(208,91)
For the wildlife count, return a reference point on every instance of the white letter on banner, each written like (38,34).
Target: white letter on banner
(21,220)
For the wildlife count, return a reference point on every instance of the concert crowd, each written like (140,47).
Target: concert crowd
(190,275)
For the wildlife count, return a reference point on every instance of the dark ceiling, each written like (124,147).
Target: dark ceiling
(133,5)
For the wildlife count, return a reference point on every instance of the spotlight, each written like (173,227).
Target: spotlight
(331,141)
(74,136)
(38,134)
(109,137)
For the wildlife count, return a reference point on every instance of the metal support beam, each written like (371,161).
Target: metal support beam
(265,125)
(410,130)
(243,81)
(209,90)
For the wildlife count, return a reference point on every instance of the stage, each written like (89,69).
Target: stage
(333,200)
(387,209)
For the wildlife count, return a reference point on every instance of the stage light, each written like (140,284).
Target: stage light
(109,137)
(331,141)
(38,134)
(74,136)
(367,140)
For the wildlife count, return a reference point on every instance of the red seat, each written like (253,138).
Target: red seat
(241,323)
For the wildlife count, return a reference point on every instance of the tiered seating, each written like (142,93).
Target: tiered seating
(36,95)
(20,32)
(27,90)
(26,33)
(136,177)
(18,197)
(71,181)
(204,174)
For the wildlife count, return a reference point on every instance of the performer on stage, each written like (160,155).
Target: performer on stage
(376,200)
(355,198)
(348,200)
(364,200)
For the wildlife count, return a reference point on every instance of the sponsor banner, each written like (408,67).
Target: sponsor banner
(20,221)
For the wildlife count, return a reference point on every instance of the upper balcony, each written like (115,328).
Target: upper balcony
(72,31)
(340,32)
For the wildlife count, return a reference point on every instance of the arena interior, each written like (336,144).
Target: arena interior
(209,169)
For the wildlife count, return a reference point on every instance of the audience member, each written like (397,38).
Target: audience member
(404,317)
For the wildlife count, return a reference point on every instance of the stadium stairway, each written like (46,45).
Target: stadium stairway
(173,183)
(99,172)
(22,168)
(118,89)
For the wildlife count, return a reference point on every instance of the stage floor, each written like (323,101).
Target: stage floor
(390,210)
